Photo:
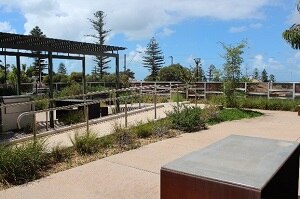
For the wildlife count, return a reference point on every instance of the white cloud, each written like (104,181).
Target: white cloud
(270,64)
(166,32)
(6,27)
(238,29)
(136,19)
(245,28)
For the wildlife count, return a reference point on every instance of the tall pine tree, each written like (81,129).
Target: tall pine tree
(39,63)
(101,34)
(153,59)
(264,76)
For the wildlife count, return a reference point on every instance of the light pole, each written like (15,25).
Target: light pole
(197,61)
(171,59)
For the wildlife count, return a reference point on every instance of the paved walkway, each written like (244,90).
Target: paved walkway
(135,174)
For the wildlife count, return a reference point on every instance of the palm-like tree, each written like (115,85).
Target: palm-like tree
(292,35)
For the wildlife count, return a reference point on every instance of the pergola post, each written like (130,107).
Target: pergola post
(117,82)
(51,103)
(83,76)
(18,75)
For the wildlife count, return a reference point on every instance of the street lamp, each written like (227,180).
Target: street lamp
(171,59)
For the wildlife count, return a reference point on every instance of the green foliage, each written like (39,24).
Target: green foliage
(43,102)
(22,163)
(106,141)
(62,69)
(233,114)
(174,72)
(143,130)
(177,97)
(210,112)
(72,89)
(161,127)
(153,59)
(86,143)
(61,153)
(260,103)
(124,138)
(72,117)
(186,118)
(264,76)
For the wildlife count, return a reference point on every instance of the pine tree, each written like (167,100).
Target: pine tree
(256,73)
(39,63)
(101,34)
(272,78)
(210,72)
(62,69)
(153,59)
(264,76)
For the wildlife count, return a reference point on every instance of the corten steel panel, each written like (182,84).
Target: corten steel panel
(235,167)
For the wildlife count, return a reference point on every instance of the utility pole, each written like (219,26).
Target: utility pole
(171,59)
(198,62)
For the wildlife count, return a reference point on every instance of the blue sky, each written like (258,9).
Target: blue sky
(184,29)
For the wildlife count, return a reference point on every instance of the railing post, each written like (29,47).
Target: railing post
(86,108)
(187,92)
(155,102)
(47,125)
(196,96)
(34,127)
(268,90)
(125,112)
(294,91)
(140,97)
(205,90)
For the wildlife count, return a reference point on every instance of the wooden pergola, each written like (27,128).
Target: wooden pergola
(25,45)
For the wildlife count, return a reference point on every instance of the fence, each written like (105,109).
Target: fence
(282,90)
(126,96)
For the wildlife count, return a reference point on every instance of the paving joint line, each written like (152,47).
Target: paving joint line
(121,164)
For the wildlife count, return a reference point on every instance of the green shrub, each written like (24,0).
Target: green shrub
(143,130)
(86,143)
(186,118)
(161,127)
(22,163)
(42,102)
(61,153)
(106,141)
(177,97)
(73,89)
(8,91)
(72,117)
(210,112)
(124,138)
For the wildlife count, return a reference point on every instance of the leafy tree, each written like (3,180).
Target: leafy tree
(101,34)
(264,76)
(233,61)
(216,75)
(272,78)
(256,73)
(292,35)
(153,59)
(174,72)
(210,72)
(39,63)
(62,69)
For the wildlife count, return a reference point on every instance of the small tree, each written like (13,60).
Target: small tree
(264,76)
(101,34)
(233,60)
(292,35)
(256,74)
(272,78)
(210,72)
(62,69)
(153,59)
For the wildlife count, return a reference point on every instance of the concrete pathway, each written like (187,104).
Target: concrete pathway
(136,173)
